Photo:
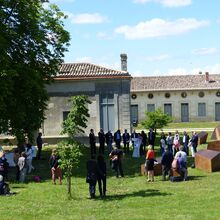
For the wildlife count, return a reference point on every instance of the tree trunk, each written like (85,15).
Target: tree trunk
(69,186)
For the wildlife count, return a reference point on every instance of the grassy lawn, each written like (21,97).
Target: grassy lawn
(131,197)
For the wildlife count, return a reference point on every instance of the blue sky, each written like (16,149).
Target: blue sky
(160,37)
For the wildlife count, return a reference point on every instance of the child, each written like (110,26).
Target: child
(54,165)
(22,164)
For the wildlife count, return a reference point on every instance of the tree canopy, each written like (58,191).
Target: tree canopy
(156,119)
(32,45)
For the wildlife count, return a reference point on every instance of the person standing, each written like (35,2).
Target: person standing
(186,142)
(162,143)
(166,161)
(134,135)
(169,141)
(116,158)
(126,141)
(92,142)
(144,142)
(109,140)
(101,177)
(22,164)
(3,165)
(39,141)
(15,159)
(117,138)
(101,136)
(92,172)
(151,138)
(54,166)
(150,158)
(29,157)
(194,143)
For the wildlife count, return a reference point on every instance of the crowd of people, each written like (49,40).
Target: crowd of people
(173,150)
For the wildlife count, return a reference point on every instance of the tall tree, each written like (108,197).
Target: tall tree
(32,45)
(156,119)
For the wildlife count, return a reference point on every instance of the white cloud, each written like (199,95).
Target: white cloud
(205,51)
(160,28)
(86,18)
(158,58)
(167,3)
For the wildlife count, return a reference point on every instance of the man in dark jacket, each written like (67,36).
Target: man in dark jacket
(92,172)
(92,142)
(101,141)
(166,161)
(117,138)
(126,141)
(116,158)
(151,137)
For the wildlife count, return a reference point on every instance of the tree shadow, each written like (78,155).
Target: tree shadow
(141,193)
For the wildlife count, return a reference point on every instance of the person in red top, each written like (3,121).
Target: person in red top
(150,163)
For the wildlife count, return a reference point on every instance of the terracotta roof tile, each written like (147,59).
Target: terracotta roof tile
(178,82)
(87,70)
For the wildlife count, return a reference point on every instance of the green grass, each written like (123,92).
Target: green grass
(131,197)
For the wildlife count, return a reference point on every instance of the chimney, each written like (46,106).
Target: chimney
(207,76)
(124,62)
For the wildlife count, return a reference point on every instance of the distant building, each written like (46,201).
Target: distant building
(109,91)
(184,97)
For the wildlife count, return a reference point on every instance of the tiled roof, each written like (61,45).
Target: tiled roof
(178,82)
(87,70)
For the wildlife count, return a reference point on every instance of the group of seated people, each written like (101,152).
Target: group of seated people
(174,166)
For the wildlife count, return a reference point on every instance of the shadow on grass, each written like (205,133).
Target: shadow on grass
(194,177)
(141,193)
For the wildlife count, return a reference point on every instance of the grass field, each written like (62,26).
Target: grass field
(131,197)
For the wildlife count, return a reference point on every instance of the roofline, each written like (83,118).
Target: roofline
(73,78)
(178,89)
(120,71)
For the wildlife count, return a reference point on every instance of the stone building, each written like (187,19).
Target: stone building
(109,91)
(184,97)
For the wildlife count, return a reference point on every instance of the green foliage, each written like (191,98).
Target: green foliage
(156,119)
(77,118)
(32,45)
(69,152)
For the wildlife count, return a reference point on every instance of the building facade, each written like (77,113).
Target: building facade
(108,90)
(185,98)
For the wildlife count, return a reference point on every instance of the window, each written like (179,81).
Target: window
(150,95)
(201,109)
(201,94)
(65,115)
(183,94)
(150,107)
(218,93)
(167,95)
(168,109)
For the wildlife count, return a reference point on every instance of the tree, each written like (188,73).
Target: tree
(77,118)
(69,150)
(32,45)
(156,119)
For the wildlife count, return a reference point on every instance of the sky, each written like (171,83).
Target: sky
(160,37)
